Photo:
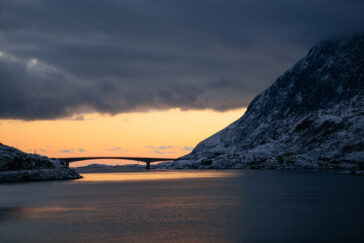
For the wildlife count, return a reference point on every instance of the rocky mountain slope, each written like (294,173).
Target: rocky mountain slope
(16,165)
(312,116)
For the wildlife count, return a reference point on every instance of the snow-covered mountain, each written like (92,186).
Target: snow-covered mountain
(16,165)
(312,116)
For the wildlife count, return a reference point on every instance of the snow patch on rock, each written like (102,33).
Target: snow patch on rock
(311,117)
(16,166)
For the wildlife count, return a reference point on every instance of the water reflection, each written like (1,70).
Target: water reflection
(156,175)
(17,213)
(10,213)
(185,206)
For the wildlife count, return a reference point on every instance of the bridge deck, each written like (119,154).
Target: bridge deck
(147,160)
(142,159)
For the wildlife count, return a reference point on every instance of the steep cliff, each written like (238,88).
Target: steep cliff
(311,116)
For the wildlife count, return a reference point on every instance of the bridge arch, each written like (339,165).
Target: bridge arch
(147,160)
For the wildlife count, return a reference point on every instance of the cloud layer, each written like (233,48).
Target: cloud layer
(60,58)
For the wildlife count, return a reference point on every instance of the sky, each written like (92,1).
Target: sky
(105,62)
(162,134)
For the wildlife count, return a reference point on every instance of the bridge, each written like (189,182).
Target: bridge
(147,160)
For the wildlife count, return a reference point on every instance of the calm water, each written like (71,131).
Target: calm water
(186,206)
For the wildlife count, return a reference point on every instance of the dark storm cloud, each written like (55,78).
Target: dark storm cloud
(60,58)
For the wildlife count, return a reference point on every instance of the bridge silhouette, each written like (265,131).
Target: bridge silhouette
(147,160)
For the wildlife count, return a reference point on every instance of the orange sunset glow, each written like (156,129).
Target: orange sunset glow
(171,133)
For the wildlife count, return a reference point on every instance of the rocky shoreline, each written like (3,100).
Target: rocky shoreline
(17,166)
(38,175)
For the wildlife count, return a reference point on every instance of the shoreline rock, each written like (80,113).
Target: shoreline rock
(38,175)
(17,166)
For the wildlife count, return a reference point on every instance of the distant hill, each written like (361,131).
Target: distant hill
(16,165)
(312,116)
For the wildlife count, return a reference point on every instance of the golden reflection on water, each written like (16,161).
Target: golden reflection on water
(155,175)
(9,213)
(55,209)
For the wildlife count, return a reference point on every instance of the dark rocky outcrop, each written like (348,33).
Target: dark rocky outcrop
(16,166)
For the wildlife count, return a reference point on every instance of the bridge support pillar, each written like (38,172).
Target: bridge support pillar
(148,165)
